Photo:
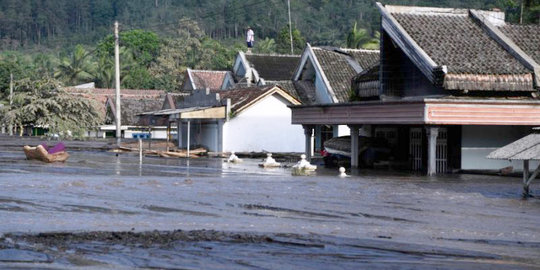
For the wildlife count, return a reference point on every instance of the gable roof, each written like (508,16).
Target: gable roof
(273,67)
(339,66)
(202,79)
(243,98)
(453,48)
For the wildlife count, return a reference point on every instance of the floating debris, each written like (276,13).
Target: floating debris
(233,158)
(270,162)
(342,172)
(303,167)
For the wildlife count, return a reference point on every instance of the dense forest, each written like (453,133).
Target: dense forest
(70,40)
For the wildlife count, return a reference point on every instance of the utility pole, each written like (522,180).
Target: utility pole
(10,126)
(290,25)
(521,13)
(117,83)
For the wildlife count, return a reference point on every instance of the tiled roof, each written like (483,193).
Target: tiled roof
(208,78)
(100,94)
(527,37)
(341,65)
(288,86)
(473,59)
(242,96)
(274,67)
(130,108)
(366,83)
(459,43)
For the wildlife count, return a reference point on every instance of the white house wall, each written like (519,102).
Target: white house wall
(321,92)
(478,141)
(265,126)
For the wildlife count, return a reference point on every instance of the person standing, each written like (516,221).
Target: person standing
(250,38)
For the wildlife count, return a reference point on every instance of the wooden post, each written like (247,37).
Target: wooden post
(432,133)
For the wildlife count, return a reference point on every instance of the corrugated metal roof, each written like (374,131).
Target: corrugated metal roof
(526,148)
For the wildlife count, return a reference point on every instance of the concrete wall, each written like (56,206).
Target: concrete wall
(264,126)
(478,141)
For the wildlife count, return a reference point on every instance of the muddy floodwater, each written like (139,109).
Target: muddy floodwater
(100,211)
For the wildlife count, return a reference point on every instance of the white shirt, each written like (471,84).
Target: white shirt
(250,36)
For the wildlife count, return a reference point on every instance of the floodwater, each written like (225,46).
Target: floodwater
(100,211)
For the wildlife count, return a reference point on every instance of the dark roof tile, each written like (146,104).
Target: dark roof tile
(456,41)
(527,37)
(274,67)
(339,67)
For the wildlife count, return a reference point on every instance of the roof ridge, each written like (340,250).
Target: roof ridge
(273,54)
(209,71)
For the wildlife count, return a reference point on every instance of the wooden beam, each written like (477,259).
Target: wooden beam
(210,113)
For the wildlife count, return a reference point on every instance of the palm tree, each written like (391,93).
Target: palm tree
(77,68)
(359,38)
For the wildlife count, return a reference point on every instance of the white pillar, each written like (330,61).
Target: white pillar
(432,133)
(188,136)
(354,145)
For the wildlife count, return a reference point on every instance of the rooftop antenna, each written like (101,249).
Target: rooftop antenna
(290,25)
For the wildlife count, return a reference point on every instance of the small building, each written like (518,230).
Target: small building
(454,85)
(252,119)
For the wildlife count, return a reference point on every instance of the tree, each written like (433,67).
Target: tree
(76,69)
(359,38)
(283,42)
(267,45)
(44,103)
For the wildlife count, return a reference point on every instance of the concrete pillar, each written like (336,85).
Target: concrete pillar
(432,133)
(179,133)
(354,145)
(219,136)
(308,132)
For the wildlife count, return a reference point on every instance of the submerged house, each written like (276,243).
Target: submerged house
(454,85)
(252,119)
(103,97)
(323,76)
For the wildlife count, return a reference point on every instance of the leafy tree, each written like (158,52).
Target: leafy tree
(267,45)
(143,44)
(77,68)
(44,103)
(283,42)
